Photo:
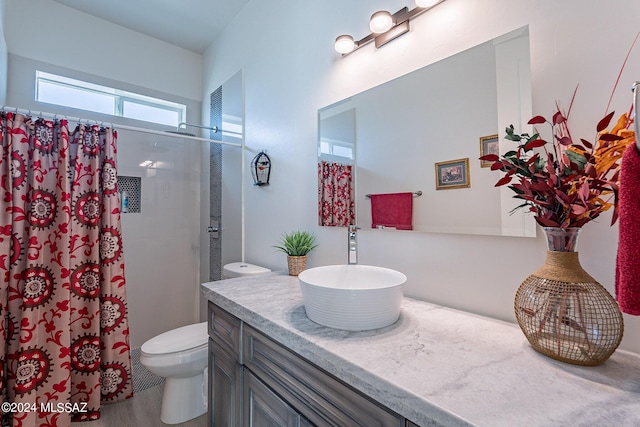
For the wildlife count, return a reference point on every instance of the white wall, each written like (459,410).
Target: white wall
(4,54)
(291,70)
(50,32)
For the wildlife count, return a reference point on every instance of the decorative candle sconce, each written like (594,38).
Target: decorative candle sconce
(385,27)
(261,169)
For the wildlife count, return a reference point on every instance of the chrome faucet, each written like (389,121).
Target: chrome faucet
(352,244)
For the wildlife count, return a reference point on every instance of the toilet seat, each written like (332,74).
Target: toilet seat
(185,338)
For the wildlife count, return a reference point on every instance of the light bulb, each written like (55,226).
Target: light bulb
(426,3)
(344,44)
(381,22)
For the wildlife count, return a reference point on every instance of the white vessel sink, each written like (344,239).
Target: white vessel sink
(352,297)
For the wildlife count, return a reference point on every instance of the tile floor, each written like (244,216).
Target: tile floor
(143,410)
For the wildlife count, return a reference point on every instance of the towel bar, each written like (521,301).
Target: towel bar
(415,194)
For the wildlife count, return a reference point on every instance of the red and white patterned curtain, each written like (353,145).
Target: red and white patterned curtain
(63,313)
(336,198)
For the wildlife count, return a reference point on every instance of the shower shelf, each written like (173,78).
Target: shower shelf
(133,186)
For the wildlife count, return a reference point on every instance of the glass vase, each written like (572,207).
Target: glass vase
(563,311)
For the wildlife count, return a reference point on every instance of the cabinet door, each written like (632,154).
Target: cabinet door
(264,408)
(225,329)
(225,388)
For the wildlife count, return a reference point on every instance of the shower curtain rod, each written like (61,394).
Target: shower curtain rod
(115,126)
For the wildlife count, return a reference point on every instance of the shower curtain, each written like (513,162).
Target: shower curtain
(63,314)
(336,198)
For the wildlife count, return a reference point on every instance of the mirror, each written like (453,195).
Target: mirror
(336,154)
(423,133)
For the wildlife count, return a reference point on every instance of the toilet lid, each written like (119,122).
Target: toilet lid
(180,339)
(239,269)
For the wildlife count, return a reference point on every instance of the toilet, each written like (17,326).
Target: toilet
(180,356)
(242,269)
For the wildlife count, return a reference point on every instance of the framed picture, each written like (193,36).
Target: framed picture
(488,145)
(452,174)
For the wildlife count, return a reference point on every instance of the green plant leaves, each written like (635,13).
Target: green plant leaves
(297,243)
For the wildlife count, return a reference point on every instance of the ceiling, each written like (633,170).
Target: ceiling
(190,24)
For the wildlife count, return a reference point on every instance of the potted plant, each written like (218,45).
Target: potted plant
(566,184)
(297,245)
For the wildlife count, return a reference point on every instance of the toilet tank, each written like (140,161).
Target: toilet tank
(242,269)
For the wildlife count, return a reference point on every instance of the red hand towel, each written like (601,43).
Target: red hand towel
(628,260)
(392,210)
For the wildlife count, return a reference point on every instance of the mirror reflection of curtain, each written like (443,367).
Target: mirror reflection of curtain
(64,327)
(336,198)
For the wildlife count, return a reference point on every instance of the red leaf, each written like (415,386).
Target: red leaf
(535,144)
(584,191)
(504,180)
(602,124)
(537,120)
(562,198)
(545,222)
(578,209)
(490,158)
(496,166)
(565,140)
(558,118)
(610,137)
(533,158)
(586,143)
(614,217)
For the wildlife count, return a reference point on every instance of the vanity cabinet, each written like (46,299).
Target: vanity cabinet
(254,381)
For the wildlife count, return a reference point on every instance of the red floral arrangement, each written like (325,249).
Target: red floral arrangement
(563,183)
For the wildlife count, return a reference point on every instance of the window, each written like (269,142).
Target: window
(59,90)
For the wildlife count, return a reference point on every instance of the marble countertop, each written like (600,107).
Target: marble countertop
(436,363)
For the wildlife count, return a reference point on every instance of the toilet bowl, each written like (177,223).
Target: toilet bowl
(180,356)
(242,269)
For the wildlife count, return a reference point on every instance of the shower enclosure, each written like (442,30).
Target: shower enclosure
(189,188)
(162,237)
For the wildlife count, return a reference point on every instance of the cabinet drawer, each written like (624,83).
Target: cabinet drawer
(225,329)
(322,399)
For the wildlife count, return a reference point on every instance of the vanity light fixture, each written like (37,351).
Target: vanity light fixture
(380,22)
(384,27)
(345,44)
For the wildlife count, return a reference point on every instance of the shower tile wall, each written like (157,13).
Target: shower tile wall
(161,244)
(215,187)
